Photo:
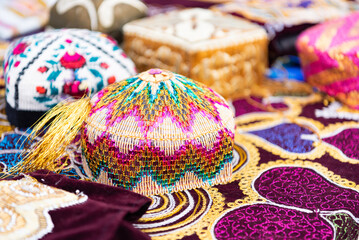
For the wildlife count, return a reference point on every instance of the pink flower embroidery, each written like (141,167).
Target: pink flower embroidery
(72,60)
(111,79)
(20,48)
(73,89)
(104,65)
(41,90)
(42,69)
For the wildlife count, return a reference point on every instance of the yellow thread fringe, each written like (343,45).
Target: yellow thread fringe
(66,121)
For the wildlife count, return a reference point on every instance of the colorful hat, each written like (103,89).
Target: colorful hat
(284,20)
(155,133)
(106,16)
(45,68)
(226,53)
(329,58)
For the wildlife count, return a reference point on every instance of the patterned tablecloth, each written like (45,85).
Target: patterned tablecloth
(296,175)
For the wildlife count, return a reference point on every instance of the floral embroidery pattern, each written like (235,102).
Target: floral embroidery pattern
(54,65)
(70,70)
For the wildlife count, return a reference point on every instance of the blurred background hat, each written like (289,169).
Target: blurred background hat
(106,16)
(41,70)
(329,58)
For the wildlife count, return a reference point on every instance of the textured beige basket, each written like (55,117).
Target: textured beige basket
(226,53)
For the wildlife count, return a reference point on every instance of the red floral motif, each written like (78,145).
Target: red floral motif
(42,69)
(124,55)
(72,60)
(68,40)
(17,64)
(6,66)
(111,79)
(20,48)
(104,65)
(72,89)
(41,90)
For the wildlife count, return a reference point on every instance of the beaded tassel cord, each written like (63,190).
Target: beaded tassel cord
(157,132)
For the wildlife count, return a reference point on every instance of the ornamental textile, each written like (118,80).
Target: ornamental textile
(295,175)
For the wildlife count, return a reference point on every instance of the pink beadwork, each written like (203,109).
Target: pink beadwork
(72,61)
(20,48)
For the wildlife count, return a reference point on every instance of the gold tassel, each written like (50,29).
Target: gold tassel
(66,121)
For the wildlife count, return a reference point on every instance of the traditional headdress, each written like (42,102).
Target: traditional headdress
(45,68)
(154,133)
(329,58)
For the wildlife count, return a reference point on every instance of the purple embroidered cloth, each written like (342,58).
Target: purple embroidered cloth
(108,212)
(295,176)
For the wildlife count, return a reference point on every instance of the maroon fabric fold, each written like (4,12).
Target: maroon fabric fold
(107,214)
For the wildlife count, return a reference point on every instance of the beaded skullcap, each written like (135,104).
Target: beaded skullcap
(330,60)
(158,132)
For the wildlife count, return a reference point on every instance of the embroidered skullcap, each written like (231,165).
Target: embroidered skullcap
(42,69)
(154,133)
(158,132)
(329,58)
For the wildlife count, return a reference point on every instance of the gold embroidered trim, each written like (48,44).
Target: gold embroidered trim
(24,207)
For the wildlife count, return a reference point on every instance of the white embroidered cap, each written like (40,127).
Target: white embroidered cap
(43,69)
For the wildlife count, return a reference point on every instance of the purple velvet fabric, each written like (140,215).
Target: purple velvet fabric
(107,214)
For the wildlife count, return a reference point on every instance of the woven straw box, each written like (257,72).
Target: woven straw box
(226,53)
